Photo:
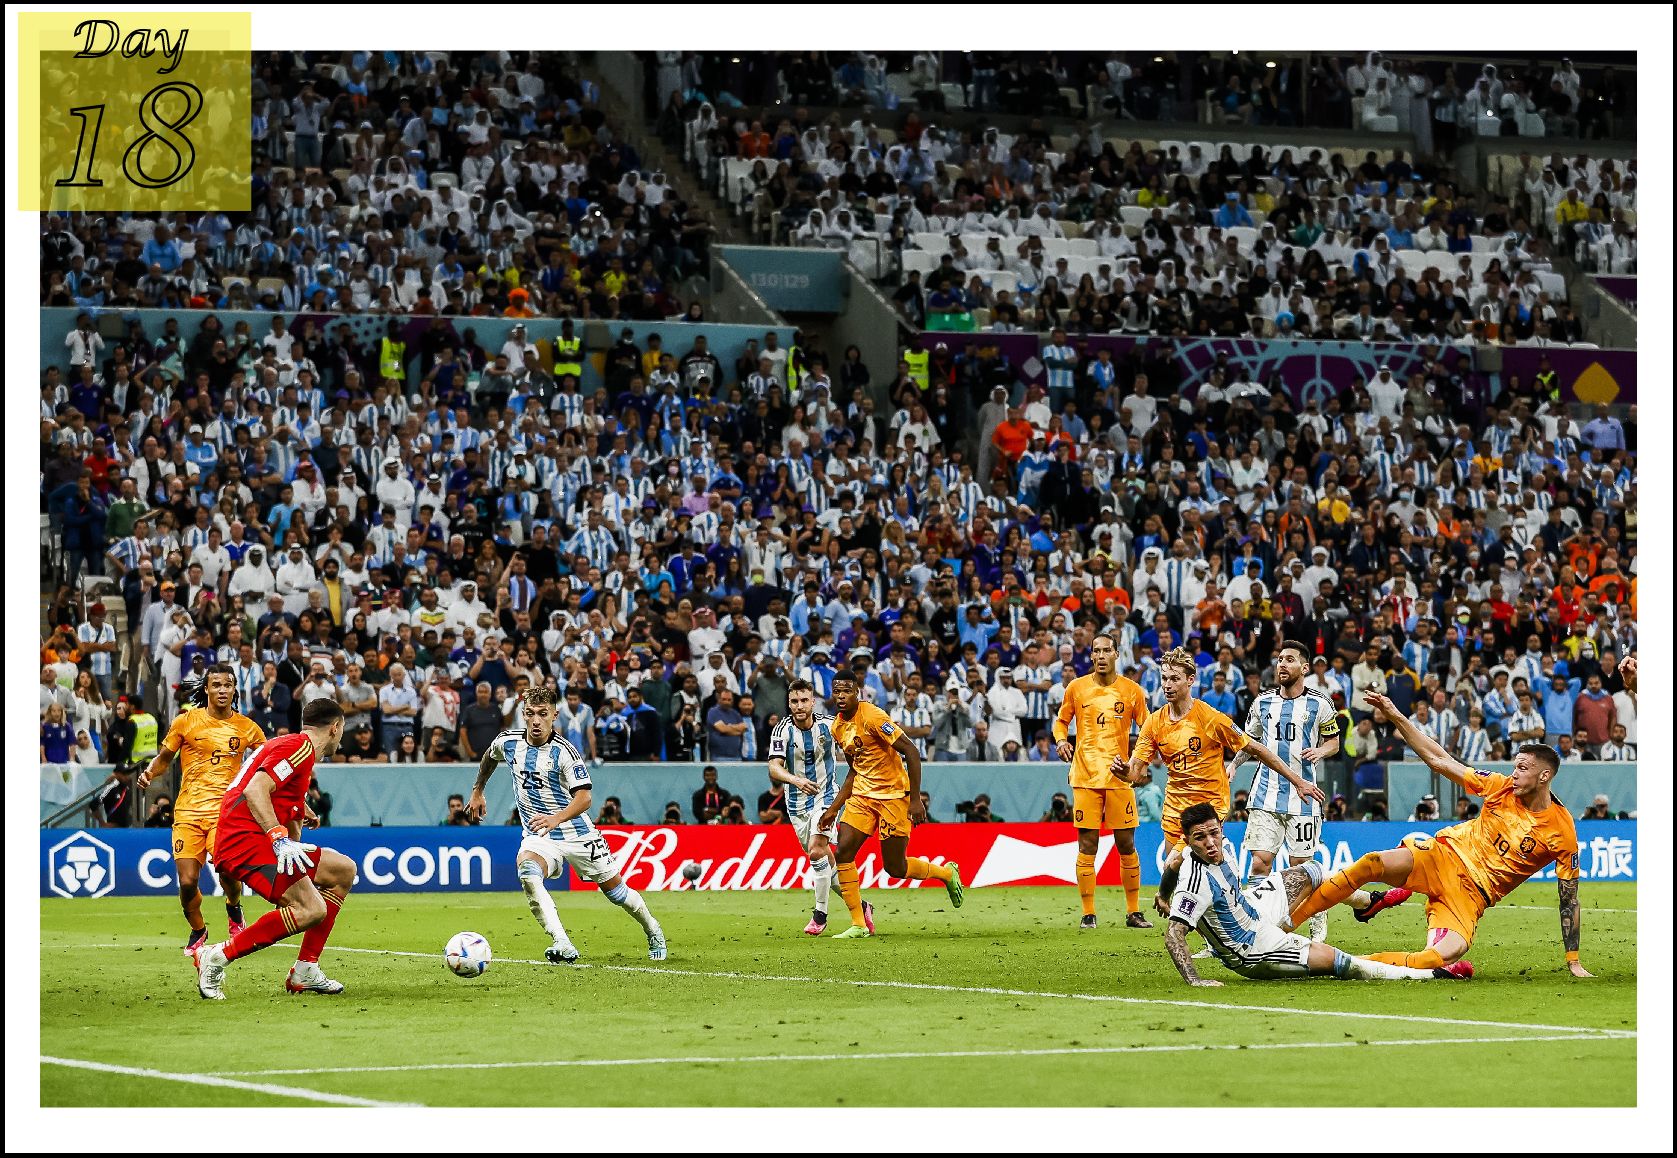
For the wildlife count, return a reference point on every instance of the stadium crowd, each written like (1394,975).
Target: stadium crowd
(407,183)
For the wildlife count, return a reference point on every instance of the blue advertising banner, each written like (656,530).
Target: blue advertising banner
(137,862)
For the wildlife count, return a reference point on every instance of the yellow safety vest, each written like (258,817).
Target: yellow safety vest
(391,356)
(567,358)
(918,368)
(145,736)
(791,372)
(1551,385)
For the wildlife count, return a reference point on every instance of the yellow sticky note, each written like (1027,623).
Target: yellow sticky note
(134,111)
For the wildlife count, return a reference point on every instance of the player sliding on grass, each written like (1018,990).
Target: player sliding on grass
(881,793)
(803,756)
(1246,927)
(1469,867)
(257,834)
(1105,706)
(551,786)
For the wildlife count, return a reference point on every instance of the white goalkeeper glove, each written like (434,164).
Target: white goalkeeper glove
(291,856)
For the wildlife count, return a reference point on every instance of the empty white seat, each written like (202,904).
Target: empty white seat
(931,242)
(1244,235)
(918,259)
(1134,215)
(1082,246)
(1483,244)
(1553,284)
(1001,279)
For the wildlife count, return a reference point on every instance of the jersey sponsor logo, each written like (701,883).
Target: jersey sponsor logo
(887,730)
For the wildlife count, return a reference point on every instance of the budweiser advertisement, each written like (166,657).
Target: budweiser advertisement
(768,857)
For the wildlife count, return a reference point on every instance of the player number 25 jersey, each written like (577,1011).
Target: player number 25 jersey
(544,779)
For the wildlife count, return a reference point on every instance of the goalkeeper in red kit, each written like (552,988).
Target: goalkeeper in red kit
(262,816)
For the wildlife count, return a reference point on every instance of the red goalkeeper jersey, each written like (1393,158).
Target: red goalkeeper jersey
(288,761)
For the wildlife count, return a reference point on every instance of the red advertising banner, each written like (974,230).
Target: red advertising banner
(763,857)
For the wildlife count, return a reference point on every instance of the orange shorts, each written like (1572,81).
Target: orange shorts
(1454,902)
(193,836)
(889,817)
(1104,808)
(1170,817)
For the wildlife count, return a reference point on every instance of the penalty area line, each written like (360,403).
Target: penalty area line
(1405,1018)
(228,1083)
(905,1055)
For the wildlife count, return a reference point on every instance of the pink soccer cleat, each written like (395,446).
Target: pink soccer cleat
(1383,901)
(1457,971)
(867,916)
(817,925)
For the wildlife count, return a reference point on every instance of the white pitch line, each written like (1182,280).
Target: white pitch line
(1411,1019)
(904,1055)
(229,1083)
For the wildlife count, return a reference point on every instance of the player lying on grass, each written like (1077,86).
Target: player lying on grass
(551,786)
(1468,867)
(1246,927)
(802,756)
(257,835)
(880,794)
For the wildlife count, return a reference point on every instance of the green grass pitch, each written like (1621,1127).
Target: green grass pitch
(1018,1008)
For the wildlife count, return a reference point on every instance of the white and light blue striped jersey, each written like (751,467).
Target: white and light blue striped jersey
(810,754)
(1287,727)
(544,776)
(1209,898)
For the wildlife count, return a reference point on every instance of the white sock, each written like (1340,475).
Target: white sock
(629,900)
(821,880)
(535,894)
(1363,969)
(1319,927)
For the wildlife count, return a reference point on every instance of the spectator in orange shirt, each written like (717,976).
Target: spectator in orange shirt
(1013,437)
(756,142)
(1111,591)
(518,304)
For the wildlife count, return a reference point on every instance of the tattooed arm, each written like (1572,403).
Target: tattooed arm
(1571,926)
(1176,943)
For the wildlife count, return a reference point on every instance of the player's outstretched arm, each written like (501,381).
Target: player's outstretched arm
(1571,926)
(1430,751)
(1176,944)
(477,805)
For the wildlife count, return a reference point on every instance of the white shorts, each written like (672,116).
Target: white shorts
(1272,831)
(805,825)
(591,859)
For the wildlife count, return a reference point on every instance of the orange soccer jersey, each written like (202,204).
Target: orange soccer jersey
(211,752)
(1194,749)
(1104,717)
(866,739)
(1506,844)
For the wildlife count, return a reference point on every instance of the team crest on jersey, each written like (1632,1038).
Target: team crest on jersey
(1193,744)
(1527,845)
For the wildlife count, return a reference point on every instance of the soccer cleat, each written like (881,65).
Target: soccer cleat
(1137,921)
(1380,902)
(957,893)
(1088,922)
(853,933)
(817,925)
(1457,971)
(194,939)
(867,917)
(234,928)
(1204,953)
(1319,927)
(307,977)
(656,947)
(211,964)
(561,953)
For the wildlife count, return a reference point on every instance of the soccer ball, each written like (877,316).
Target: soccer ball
(691,870)
(467,954)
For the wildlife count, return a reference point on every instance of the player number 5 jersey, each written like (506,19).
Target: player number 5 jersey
(544,779)
(812,754)
(1287,727)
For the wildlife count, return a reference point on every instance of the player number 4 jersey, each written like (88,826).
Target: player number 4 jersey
(1287,727)
(1104,717)
(545,777)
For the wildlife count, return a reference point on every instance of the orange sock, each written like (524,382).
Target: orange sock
(1086,882)
(1425,959)
(850,889)
(1129,864)
(925,870)
(1339,887)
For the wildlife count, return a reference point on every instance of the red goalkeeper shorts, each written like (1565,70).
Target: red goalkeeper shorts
(249,856)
